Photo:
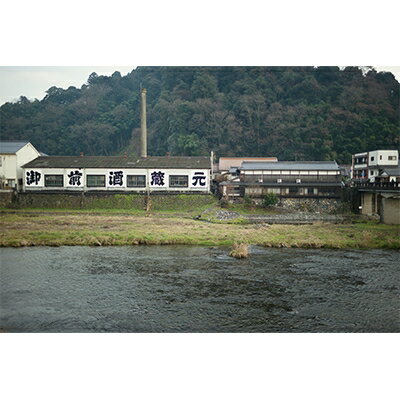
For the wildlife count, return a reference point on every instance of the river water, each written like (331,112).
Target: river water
(198,289)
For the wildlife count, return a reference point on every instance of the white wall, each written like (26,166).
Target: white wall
(110,185)
(381,157)
(8,167)
(372,174)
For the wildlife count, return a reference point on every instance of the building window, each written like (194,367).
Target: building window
(95,180)
(392,158)
(310,190)
(360,160)
(178,181)
(380,157)
(273,190)
(253,191)
(372,158)
(54,180)
(136,181)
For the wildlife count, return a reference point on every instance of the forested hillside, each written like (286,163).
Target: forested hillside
(293,113)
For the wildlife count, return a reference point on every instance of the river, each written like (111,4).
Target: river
(198,289)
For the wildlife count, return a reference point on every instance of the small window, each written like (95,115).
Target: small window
(372,158)
(178,181)
(310,190)
(392,158)
(95,180)
(380,157)
(54,180)
(136,180)
(273,190)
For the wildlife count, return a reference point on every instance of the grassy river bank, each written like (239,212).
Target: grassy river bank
(121,227)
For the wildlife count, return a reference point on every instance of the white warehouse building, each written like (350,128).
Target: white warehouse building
(13,155)
(117,174)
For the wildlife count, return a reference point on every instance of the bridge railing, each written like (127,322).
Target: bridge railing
(377,185)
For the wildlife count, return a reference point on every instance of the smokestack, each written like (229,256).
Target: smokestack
(143,125)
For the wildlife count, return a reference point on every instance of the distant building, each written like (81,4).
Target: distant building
(368,165)
(13,155)
(229,163)
(299,179)
(118,174)
(389,174)
(376,175)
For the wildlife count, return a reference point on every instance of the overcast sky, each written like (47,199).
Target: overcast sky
(33,82)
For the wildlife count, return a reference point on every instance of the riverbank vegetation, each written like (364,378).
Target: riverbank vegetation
(111,228)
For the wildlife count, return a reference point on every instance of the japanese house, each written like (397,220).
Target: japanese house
(227,164)
(14,154)
(313,179)
(118,174)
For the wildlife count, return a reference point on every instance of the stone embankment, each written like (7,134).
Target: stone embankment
(295,218)
(300,218)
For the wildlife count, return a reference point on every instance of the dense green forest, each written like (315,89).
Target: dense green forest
(293,113)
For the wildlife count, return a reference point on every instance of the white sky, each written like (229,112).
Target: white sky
(32,82)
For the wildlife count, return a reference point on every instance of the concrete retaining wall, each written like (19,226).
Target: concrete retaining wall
(6,198)
(111,201)
(390,212)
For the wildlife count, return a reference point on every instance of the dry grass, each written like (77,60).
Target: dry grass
(103,230)
(240,250)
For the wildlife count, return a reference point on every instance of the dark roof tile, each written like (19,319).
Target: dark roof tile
(11,147)
(118,162)
(291,165)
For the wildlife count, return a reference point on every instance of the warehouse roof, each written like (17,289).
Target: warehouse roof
(227,162)
(9,147)
(292,165)
(119,162)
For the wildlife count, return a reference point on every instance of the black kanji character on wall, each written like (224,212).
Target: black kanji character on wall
(116,178)
(157,178)
(199,178)
(33,177)
(75,178)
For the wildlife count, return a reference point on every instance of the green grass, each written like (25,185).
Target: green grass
(121,228)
